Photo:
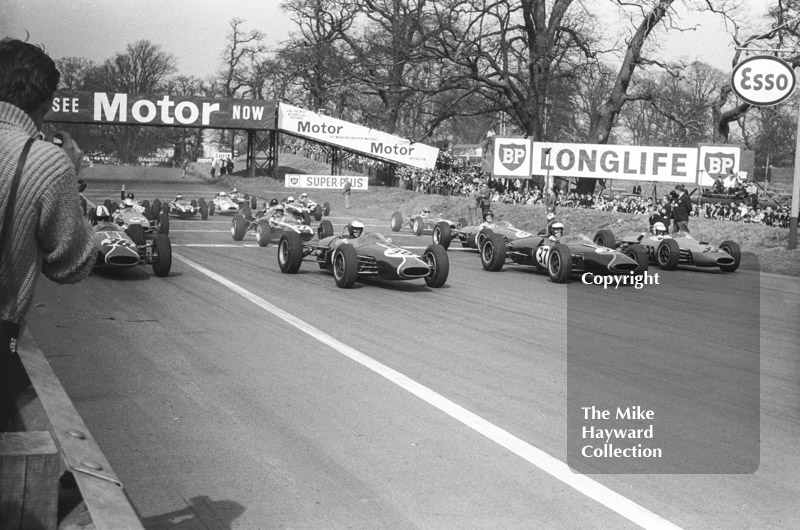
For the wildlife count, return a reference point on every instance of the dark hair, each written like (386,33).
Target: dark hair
(28,76)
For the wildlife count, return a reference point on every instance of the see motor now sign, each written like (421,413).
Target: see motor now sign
(164,110)
(763,80)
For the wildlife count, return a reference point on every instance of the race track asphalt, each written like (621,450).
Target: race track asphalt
(230,395)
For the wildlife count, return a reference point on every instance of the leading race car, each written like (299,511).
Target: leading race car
(121,249)
(183,209)
(130,213)
(356,255)
(670,251)
(560,255)
(425,222)
(268,225)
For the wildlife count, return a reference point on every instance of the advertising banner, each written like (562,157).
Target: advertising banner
(335,182)
(715,161)
(354,137)
(664,164)
(167,110)
(511,157)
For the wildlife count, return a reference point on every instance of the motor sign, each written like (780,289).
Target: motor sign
(763,80)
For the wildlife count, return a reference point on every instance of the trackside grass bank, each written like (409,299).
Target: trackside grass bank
(768,245)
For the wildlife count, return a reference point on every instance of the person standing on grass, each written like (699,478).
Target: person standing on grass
(346,193)
(682,210)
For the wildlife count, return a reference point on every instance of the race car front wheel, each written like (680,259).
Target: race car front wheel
(442,234)
(397,221)
(668,254)
(162,255)
(238,227)
(290,252)
(345,266)
(559,263)
(493,252)
(732,248)
(263,233)
(436,257)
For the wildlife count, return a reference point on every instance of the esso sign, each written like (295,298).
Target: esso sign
(763,80)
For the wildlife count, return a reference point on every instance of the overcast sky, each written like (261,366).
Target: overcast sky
(194,30)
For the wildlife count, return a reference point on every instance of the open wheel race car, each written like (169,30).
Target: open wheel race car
(424,222)
(121,249)
(670,251)
(151,218)
(268,229)
(472,236)
(183,209)
(369,256)
(560,256)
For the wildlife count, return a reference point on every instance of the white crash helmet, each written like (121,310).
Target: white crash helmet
(128,203)
(234,190)
(303,196)
(179,197)
(660,229)
(290,199)
(556,229)
(355,228)
(223,194)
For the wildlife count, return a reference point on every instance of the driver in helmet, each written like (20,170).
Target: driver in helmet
(555,230)
(123,195)
(355,228)
(426,212)
(488,218)
(178,197)
(304,199)
(222,195)
(289,200)
(278,213)
(658,229)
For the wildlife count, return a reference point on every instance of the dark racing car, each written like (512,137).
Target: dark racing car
(425,222)
(560,255)
(269,225)
(121,249)
(357,255)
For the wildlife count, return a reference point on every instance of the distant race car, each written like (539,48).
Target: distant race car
(183,209)
(222,204)
(121,249)
(560,256)
(670,251)
(371,255)
(267,228)
(242,198)
(472,236)
(425,221)
(317,210)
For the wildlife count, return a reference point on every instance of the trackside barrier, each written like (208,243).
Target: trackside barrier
(50,438)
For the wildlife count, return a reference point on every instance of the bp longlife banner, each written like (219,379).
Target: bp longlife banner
(511,157)
(166,110)
(354,137)
(664,164)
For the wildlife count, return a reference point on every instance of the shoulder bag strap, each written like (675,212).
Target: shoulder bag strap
(12,194)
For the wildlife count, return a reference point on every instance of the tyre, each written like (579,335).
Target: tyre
(290,252)
(345,266)
(306,218)
(470,242)
(165,208)
(162,250)
(238,227)
(326,209)
(163,223)
(397,221)
(493,253)
(732,248)
(417,225)
(136,233)
(201,201)
(605,238)
(253,203)
(437,258)
(559,263)
(482,236)
(442,235)
(263,233)
(325,229)
(155,209)
(639,253)
(146,205)
(318,213)
(246,212)
(668,254)
(211,208)
(462,222)
(203,211)
(193,203)
(107,204)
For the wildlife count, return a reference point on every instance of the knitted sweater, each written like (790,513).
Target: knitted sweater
(49,233)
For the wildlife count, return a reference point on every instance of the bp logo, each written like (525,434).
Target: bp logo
(512,156)
(294,181)
(717,164)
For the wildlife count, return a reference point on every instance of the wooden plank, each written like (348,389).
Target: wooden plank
(102,491)
(29,470)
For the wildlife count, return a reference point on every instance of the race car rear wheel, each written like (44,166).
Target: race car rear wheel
(638,253)
(155,209)
(211,208)
(442,235)
(436,256)
(263,233)
(203,211)
(326,208)
(732,248)
(254,203)
(290,252)
(668,254)
(559,263)
(165,207)
(493,253)
(397,221)
(163,223)
(482,236)
(238,227)
(417,225)
(162,255)
(317,213)
(136,233)
(306,218)
(605,238)
(193,203)
(345,266)
(325,229)
(246,212)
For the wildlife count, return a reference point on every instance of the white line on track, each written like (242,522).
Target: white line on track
(556,468)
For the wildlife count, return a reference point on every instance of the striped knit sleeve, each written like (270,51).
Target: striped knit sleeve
(65,236)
